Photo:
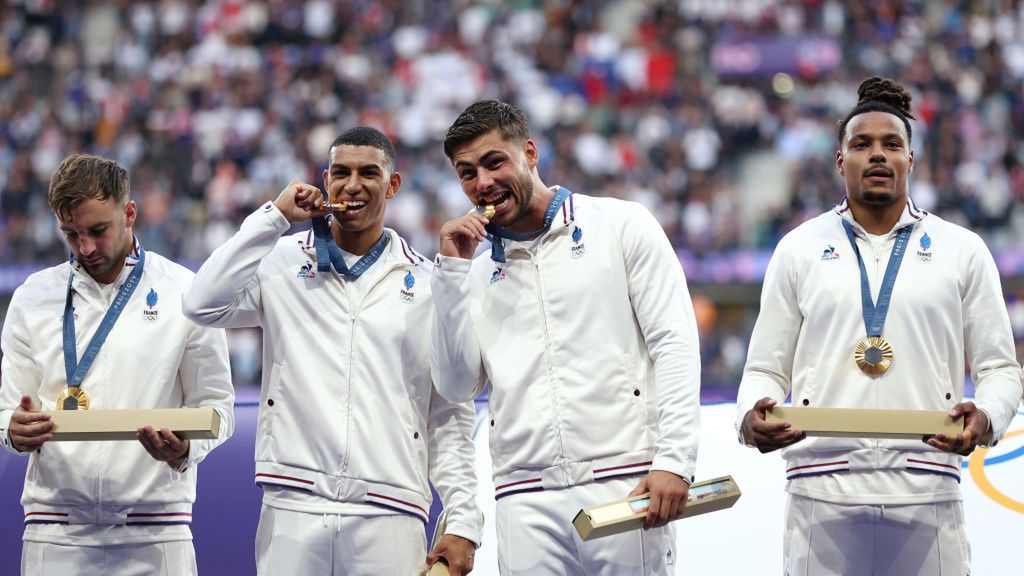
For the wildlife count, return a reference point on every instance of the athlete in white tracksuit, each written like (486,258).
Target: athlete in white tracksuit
(350,427)
(586,336)
(109,507)
(871,506)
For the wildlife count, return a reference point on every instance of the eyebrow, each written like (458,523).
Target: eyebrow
(483,158)
(885,136)
(66,228)
(338,165)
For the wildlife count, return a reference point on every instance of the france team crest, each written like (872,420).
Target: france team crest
(924,254)
(151,313)
(406,293)
(578,248)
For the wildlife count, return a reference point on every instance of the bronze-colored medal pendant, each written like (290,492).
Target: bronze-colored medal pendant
(73,398)
(873,355)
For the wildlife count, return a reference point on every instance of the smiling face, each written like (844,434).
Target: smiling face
(361,177)
(875,160)
(498,172)
(99,234)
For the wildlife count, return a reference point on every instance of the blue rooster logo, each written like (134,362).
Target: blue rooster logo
(410,280)
(577,235)
(926,242)
(151,298)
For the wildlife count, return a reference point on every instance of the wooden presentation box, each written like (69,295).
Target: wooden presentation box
(628,514)
(192,423)
(862,423)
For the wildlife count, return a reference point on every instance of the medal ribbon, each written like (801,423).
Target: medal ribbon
(874,314)
(74,369)
(328,253)
(497,233)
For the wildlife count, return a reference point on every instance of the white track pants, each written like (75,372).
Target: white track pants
(920,539)
(158,559)
(536,536)
(289,542)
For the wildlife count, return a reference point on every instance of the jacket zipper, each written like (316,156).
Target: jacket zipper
(548,353)
(353,316)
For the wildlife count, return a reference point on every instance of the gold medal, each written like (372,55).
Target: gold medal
(73,398)
(487,211)
(335,206)
(873,355)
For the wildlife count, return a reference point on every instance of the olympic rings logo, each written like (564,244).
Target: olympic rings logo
(976,464)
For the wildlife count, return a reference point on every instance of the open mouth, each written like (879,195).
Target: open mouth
(498,202)
(352,207)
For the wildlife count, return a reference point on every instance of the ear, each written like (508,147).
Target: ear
(327,185)
(910,165)
(839,162)
(532,155)
(393,185)
(130,212)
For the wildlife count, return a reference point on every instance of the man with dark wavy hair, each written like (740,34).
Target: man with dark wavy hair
(579,320)
(876,304)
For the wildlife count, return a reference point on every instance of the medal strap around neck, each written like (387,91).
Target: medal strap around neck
(74,369)
(328,253)
(496,233)
(875,313)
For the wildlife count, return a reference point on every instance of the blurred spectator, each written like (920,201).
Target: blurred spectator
(214,105)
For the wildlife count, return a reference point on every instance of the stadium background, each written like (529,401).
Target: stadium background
(719,115)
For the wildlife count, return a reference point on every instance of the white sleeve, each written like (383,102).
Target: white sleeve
(988,343)
(226,290)
(451,458)
(455,362)
(205,373)
(769,369)
(22,374)
(664,312)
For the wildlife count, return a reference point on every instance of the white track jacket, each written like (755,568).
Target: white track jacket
(82,492)
(348,410)
(588,339)
(947,305)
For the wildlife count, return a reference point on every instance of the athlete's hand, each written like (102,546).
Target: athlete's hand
(768,436)
(976,427)
(300,201)
(163,445)
(668,497)
(461,236)
(456,552)
(29,428)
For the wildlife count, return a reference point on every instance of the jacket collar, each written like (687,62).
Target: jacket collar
(911,215)
(399,251)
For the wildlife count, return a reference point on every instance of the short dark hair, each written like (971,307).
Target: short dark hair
(367,136)
(480,118)
(82,177)
(880,95)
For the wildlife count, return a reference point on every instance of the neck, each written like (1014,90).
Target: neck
(534,218)
(359,242)
(875,219)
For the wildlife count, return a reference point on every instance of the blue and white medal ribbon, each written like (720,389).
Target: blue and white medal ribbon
(328,253)
(497,233)
(74,397)
(874,354)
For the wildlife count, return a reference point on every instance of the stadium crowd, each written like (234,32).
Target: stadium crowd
(689,107)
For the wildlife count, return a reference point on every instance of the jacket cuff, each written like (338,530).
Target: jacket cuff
(685,469)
